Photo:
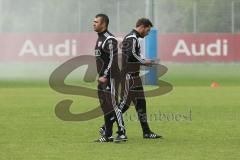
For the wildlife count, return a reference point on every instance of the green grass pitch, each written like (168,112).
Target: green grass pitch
(207,126)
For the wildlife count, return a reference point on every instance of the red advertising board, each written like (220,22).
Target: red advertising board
(45,47)
(208,47)
(199,47)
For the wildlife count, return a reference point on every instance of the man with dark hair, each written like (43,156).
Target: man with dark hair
(104,18)
(131,85)
(144,22)
(132,88)
(106,51)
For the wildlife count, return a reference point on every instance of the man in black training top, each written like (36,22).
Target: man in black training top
(106,51)
(132,88)
(131,83)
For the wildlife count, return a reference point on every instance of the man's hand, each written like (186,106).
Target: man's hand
(148,62)
(102,79)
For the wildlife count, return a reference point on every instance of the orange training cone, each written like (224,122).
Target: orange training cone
(214,85)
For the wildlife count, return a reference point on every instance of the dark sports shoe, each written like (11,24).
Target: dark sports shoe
(151,135)
(120,137)
(102,131)
(104,139)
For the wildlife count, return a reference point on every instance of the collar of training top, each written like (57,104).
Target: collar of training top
(102,33)
(137,34)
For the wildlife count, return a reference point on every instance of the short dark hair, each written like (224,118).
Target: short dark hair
(104,18)
(145,22)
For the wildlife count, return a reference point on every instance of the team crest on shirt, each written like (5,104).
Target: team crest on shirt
(97,53)
(99,43)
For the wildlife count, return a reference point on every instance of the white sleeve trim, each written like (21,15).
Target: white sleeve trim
(111,58)
(109,37)
(134,53)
